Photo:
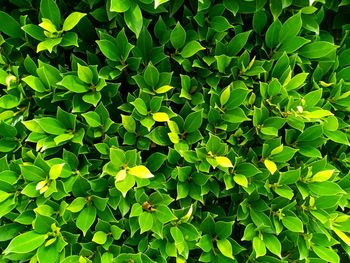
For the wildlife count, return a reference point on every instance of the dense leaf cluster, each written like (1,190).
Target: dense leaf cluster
(174,131)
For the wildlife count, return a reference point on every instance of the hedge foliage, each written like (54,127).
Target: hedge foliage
(174,131)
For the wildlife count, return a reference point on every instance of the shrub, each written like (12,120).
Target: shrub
(174,131)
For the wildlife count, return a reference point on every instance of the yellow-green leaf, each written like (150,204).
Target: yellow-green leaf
(225,248)
(48,25)
(277,150)
(163,89)
(140,171)
(317,114)
(160,116)
(120,175)
(225,95)
(342,236)
(174,137)
(270,165)
(55,171)
(322,176)
(241,180)
(223,161)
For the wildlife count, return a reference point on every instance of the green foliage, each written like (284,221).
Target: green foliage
(174,131)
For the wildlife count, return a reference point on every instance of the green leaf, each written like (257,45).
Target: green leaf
(34,31)
(51,125)
(92,118)
(140,106)
(99,237)
(133,19)
(72,20)
(191,49)
(317,49)
(273,34)
(293,44)
(125,185)
(293,224)
(151,75)
(77,205)
(237,97)
(9,101)
(178,36)
(35,83)
(25,243)
(325,188)
(225,247)
(297,81)
(109,49)
(86,218)
(10,26)
(145,222)
(193,121)
(236,115)
(48,44)
(291,27)
(179,239)
(326,254)
(50,10)
(237,43)
(129,123)
(337,136)
(120,6)
(220,24)
(117,232)
(85,74)
(73,84)
(225,95)
(273,244)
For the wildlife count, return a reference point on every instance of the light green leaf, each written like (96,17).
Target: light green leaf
(99,237)
(241,180)
(35,83)
(125,185)
(293,224)
(326,254)
(120,6)
(129,123)
(48,44)
(74,84)
(159,2)
(191,49)
(259,247)
(225,248)
(25,243)
(145,221)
